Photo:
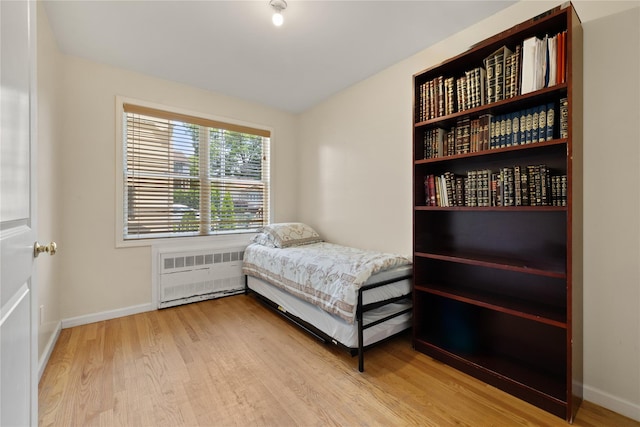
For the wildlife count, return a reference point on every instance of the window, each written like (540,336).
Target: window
(185,175)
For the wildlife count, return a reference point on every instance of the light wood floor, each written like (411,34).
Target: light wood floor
(232,361)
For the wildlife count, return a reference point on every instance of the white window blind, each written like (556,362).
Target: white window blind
(186,175)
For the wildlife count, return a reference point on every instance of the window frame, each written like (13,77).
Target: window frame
(231,236)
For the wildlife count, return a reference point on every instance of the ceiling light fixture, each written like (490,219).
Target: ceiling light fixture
(278,6)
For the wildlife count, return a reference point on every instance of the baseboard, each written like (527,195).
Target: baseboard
(611,402)
(106,315)
(42,363)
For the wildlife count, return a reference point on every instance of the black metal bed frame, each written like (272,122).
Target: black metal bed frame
(360,310)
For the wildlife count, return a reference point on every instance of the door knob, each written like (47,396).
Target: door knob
(51,248)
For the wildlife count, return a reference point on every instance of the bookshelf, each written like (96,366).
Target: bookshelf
(497,215)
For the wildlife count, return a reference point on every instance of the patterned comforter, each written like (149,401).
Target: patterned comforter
(324,274)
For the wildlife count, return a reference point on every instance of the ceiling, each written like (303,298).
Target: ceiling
(231,47)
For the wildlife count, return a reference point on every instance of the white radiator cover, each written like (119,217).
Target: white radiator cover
(197,275)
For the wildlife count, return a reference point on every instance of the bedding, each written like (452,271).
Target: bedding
(324,274)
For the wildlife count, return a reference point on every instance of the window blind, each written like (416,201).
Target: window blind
(185,175)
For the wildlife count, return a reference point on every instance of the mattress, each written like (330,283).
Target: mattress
(340,330)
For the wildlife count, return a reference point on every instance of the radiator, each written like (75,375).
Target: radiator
(192,276)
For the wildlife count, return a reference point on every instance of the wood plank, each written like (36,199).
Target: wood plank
(232,361)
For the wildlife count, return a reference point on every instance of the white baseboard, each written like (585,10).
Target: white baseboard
(42,363)
(611,402)
(106,315)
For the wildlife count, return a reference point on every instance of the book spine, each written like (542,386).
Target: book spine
(564,115)
(486,131)
(542,123)
(516,71)
(502,131)
(544,186)
(524,187)
(493,127)
(550,121)
(427,194)
(508,83)
(466,136)
(515,129)
(499,70)
(534,124)
(460,191)
(490,67)
(523,126)
(483,85)
(507,130)
(517,183)
(531,174)
(529,126)
(441,96)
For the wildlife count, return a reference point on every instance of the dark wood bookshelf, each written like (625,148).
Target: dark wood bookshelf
(498,289)
(537,146)
(537,313)
(528,266)
(539,96)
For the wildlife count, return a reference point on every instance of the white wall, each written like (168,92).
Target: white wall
(48,188)
(97,277)
(355,177)
(612,211)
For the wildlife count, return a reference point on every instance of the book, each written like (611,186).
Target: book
(529,60)
(564,115)
(490,64)
(542,123)
(515,129)
(440,95)
(508,71)
(482,88)
(471,186)
(552,54)
(508,130)
(562,57)
(449,86)
(544,186)
(555,190)
(461,92)
(523,126)
(529,126)
(534,124)
(524,187)
(515,73)
(502,131)
(485,123)
(517,183)
(493,131)
(550,121)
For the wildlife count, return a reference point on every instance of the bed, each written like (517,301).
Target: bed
(345,296)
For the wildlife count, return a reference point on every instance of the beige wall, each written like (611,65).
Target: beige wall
(612,209)
(355,177)
(95,276)
(48,188)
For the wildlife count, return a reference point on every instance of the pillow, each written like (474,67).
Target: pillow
(264,240)
(287,234)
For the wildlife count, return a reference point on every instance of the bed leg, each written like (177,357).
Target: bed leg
(359,318)
(246,284)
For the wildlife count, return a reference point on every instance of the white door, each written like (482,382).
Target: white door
(18,345)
